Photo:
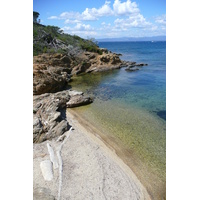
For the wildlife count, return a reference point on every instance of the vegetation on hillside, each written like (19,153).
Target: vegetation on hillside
(51,39)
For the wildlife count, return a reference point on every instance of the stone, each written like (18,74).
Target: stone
(47,170)
(131,69)
(52,156)
(74,92)
(78,100)
(141,64)
(49,120)
(50,72)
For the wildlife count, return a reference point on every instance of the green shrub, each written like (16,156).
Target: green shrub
(45,49)
(39,45)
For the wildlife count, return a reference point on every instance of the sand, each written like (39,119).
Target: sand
(83,167)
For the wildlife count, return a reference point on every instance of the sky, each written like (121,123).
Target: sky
(104,19)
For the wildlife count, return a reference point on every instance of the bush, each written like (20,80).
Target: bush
(45,49)
(52,32)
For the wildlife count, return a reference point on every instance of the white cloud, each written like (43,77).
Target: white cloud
(83,27)
(53,17)
(88,14)
(68,21)
(78,27)
(81,30)
(161,20)
(126,16)
(132,21)
(125,8)
(91,14)
(70,15)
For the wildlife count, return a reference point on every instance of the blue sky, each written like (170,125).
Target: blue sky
(104,19)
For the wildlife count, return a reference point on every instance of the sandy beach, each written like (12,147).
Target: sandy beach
(79,165)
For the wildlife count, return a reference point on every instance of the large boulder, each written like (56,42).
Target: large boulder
(49,116)
(78,100)
(49,113)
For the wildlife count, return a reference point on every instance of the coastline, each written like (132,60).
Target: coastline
(96,136)
(134,167)
(83,167)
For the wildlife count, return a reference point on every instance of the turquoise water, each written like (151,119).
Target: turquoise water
(131,106)
(145,88)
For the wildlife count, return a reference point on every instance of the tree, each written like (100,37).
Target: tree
(35,16)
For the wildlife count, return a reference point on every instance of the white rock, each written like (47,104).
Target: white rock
(74,92)
(47,170)
(52,156)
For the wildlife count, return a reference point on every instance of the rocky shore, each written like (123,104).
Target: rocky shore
(51,76)
(79,166)
(49,113)
(53,72)
(68,164)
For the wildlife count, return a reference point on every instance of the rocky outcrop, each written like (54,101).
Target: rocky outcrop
(51,72)
(49,113)
(49,116)
(94,62)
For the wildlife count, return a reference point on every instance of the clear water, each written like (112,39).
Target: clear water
(131,106)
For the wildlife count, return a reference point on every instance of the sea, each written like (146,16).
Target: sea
(129,108)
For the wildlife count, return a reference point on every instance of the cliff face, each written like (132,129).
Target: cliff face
(52,72)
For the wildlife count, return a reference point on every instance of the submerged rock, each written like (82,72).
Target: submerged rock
(141,64)
(131,69)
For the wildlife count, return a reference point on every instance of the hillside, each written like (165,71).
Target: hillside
(51,39)
(58,56)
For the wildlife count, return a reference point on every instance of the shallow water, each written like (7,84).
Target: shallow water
(131,106)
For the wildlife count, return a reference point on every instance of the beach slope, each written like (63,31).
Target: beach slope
(79,165)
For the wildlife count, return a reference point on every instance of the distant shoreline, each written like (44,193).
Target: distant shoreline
(133,39)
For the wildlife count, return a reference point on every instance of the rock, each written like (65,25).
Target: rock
(78,100)
(74,92)
(37,125)
(128,64)
(47,170)
(105,59)
(94,62)
(116,60)
(141,64)
(131,69)
(58,130)
(50,72)
(52,156)
(49,120)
